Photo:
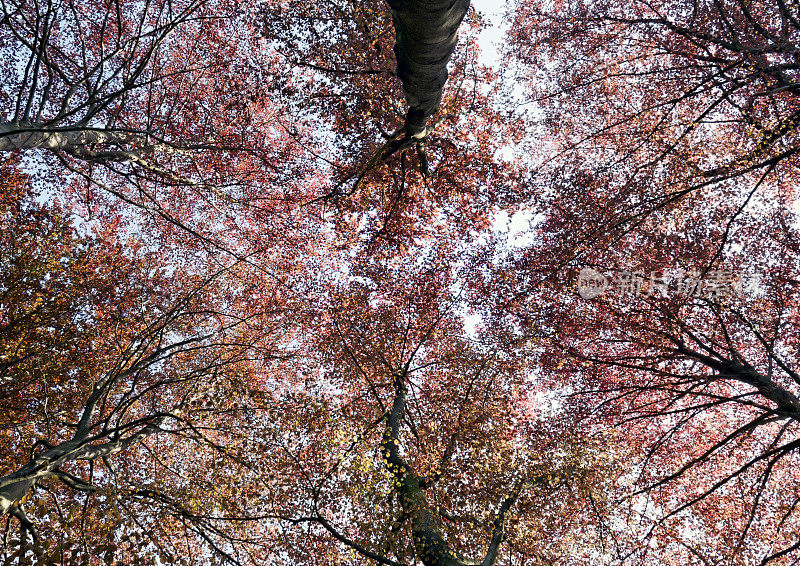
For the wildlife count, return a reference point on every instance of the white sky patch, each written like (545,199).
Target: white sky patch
(506,154)
(544,404)
(491,37)
(471,323)
(518,228)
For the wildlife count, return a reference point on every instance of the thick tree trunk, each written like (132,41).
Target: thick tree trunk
(16,136)
(15,485)
(426,528)
(425,39)
(10,494)
(117,146)
(787,402)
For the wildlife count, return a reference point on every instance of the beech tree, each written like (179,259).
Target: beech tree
(669,128)
(94,77)
(715,95)
(389,465)
(426,35)
(269,313)
(698,382)
(106,351)
(159,108)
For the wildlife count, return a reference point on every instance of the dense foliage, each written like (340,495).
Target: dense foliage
(256,309)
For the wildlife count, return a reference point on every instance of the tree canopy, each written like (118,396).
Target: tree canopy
(316,283)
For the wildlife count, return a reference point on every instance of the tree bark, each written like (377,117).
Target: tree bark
(15,485)
(426,34)
(16,136)
(426,528)
(786,402)
(107,442)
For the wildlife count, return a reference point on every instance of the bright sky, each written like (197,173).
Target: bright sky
(491,37)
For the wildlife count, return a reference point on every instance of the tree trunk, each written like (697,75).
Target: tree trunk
(15,136)
(425,39)
(15,485)
(429,543)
